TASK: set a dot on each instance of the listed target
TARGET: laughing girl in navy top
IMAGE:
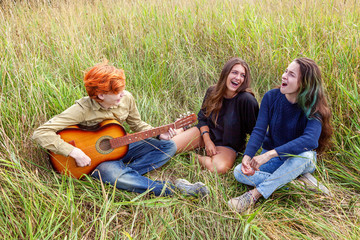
(227, 115)
(293, 122)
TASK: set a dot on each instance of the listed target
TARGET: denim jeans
(142, 157)
(276, 172)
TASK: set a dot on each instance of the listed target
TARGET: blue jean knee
(312, 159)
(142, 157)
(293, 167)
(254, 180)
(118, 174)
(149, 154)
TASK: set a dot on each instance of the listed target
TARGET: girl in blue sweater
(293, 122)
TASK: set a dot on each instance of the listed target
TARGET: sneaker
(188, 188)
(242, 203)
(312, 184)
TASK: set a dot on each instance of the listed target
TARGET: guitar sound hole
(105, 145)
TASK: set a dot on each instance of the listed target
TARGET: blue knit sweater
(284, 127)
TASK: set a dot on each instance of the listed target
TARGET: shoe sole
(309, 179)
(200, 188)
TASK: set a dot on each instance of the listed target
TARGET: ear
(101, 96)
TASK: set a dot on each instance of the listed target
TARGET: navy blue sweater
(283, 126)
(237, 117)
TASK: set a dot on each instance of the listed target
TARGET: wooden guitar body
(94, 143)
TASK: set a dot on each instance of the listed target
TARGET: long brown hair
(214, 100)
(311, 98)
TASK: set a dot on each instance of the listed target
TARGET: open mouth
(235, 84)
(284, 84)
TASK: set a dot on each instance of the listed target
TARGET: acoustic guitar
(107, 142)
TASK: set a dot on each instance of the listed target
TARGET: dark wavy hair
(213, 102)
(311, 98)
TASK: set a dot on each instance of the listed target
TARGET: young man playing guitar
(108, 99)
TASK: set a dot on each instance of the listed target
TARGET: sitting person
(293, 122)
(108, 99)
(227, 115)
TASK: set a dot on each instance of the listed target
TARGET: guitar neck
(135, 137)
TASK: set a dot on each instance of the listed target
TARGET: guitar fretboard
(134, 137)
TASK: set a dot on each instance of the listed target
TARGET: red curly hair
(104, 79)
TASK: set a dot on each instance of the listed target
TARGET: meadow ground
(171, 52)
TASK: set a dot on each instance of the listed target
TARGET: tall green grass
(171, 52)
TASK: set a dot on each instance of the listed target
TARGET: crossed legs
(276, 173)
(191, 139)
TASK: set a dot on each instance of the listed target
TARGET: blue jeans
(276, 172)
(142, 157)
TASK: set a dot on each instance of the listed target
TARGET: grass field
(171, 52)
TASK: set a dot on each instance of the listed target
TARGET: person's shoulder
(78, 109)
(272, 94)
(84, 101)
(210, 89)
(246, 96)
(127, 100)
(127, 96)
(316, 117)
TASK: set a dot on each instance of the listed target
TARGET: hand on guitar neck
(173, 131)
(170, 134)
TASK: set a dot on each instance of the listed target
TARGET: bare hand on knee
(210, 148)
(245, 166)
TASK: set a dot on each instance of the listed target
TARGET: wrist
(246, 158)
(271, 154)
(204, 132)
(71, 154)
(207, 140)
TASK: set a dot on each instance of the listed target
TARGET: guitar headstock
(185, 120)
